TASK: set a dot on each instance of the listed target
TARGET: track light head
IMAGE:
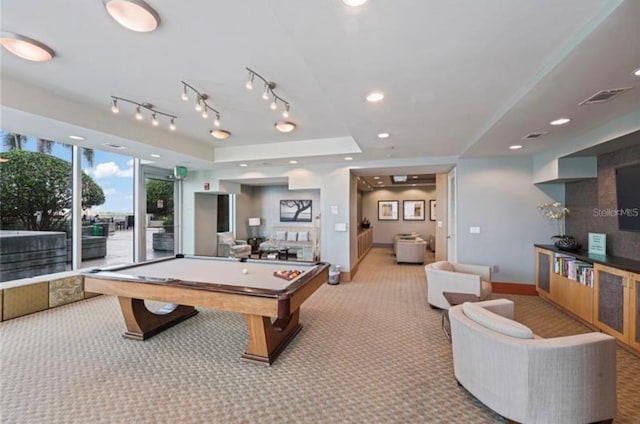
(216, 122)
(114, 106)
(172, 125)
(249, 83)
(285, 112)
(154, 120)
(184, 95)
(138, 114)
(205, 114)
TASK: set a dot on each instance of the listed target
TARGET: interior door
(452, 225)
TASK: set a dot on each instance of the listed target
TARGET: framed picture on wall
(295, 211)
(388, 210)
(432, 210)
(413, 210)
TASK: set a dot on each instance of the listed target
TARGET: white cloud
(130, 162)
(129, 197)
(110, 169)
(109, 191)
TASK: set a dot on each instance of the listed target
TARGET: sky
(111, 171)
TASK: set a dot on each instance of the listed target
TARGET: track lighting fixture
(268, 92)
(201, 105)
(144, 106)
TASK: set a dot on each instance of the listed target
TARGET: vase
(568, 243)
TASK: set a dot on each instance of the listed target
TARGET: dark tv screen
(628, 193)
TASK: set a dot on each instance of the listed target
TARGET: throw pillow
(496, 322)
(226, 238)
(281, 235)
(303, 235)
(292, 236)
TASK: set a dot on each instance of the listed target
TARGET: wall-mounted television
(628, 194)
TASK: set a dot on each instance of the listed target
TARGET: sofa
(229, 247)
(301, 241)
(443, 276)
(411, 251)
(529, 379)
(404, 236)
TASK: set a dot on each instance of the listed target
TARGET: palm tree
(13, 141)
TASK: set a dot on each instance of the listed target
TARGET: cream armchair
(232, 248)
(458, 278)
(411, 251)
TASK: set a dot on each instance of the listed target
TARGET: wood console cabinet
(606, 297)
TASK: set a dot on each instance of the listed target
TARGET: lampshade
(254, 222)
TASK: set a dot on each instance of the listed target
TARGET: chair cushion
(292, 236)
(496, 322)
(226, 238)
(442, 266)
(303, 235)
(281, 235)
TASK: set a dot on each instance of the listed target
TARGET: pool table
(270, 304)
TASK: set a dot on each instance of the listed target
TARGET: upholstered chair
(411, 251)
(446, 276)
(228, 246)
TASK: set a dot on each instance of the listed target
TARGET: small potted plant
(365, 223)
(555, 211)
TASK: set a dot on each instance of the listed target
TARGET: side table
(454, 299)
(254, 242)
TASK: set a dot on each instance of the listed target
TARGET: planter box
(25, 254)
(163, 242)
(92, 247)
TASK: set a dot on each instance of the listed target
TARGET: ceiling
(461, 78)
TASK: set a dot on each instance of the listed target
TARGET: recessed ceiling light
(114, 146)
(354, 3)
(293, 162)
(25, 47)
(243, 165)
(348, 158)
(154, 155)
(376, 178)
(560, 121)
(515, 147)
(413, 185)
(285, 126)
(135, 15)
(375, 96)
(220, 134)
(383, 135)
(637, 72)
(76, 137)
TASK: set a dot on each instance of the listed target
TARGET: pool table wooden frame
(272, 317)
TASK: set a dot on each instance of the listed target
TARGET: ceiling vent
(534, 135)
(603, 96)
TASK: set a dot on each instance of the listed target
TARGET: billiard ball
(245, 271)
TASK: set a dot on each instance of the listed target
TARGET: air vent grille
(603, 96)
(534, 135)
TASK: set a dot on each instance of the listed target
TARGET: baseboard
(514, 288)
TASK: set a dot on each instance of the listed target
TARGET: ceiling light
(399, 178)
(383, 135)
(268, 92)
(293, 162)
(348, 158)
(375, 96)
(144, 106)
(201, 106)
(25, 47)
(285, 126)
(376, 178)
(515, 147)
(135, 15)
(637, 72)
(154, 155)
(244, 165)
(560, 121)
(220, 134)
(354, 3)
(76, 137)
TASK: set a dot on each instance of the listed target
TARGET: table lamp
(254, 223)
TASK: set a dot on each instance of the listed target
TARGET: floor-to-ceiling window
(160, 215)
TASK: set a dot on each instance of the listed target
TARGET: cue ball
(245, 271)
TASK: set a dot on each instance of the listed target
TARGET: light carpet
(371, 351)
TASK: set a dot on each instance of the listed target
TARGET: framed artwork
(295, 211)
(388, 210)
(432, 210)
(413, 210)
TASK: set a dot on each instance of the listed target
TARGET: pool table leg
(142, 323)
(267, 339)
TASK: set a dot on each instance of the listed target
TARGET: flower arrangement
(555, 211)
(365, 223)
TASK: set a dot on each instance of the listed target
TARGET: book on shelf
(574, 269)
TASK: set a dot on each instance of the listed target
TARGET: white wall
(267, 201)
(383, 231)
(498, 196)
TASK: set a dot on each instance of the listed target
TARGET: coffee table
(282, 252)
(454, 299)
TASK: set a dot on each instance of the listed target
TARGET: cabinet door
(634, 310)
(611, 301)
(543, 272)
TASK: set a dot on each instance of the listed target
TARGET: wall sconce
(25, 47)
(146, 106)
(202, 107)
(268, 92)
